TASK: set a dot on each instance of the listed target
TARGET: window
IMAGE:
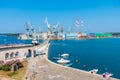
(16, 54)
(11, 55)
(6, 55)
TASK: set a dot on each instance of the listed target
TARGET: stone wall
(20, 53)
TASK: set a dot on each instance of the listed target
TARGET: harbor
(34, 46)
(42, 68)
(60, 40)
(47, 70)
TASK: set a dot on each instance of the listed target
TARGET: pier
(40, 68)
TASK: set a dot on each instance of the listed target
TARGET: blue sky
(98, 15)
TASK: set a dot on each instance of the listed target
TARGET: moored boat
(68, 65)
(35, 42)
(63, 61)
(65, 55)
(56, 58)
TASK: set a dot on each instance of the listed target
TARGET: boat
(68, 65)
(65, 55)
(63, 61)
(56, 58)
(35, 42)
(107, 75)
(94, 71)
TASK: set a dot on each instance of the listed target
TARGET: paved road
(42, 69)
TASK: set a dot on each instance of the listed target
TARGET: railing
(15, 46)
(4, 47)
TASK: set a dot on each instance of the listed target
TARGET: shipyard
(57, 32)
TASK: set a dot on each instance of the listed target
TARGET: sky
(98, 15)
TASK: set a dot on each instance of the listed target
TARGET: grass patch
(13, 74)
(18, 75)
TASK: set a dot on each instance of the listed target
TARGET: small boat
(68, 65)
(107, 75)
(56, 58)
(94, 71)
(63, 61)
(35, 42)
(65, 55)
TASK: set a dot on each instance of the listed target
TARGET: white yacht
(65, 55)
(63, 61)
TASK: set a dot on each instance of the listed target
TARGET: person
(91, 72)
(104, 75)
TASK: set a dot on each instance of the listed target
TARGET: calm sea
(14, 40)
(101, 54)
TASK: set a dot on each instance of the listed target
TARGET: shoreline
(75, 69)
(48, 70)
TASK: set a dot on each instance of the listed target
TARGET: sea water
(101, 54)
(5, 40)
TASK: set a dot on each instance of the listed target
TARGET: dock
(40, 68)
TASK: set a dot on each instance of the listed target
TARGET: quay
(41, 68)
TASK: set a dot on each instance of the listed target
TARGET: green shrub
(13, 74)
(6, 67)
(1, 67)
(20, 65)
